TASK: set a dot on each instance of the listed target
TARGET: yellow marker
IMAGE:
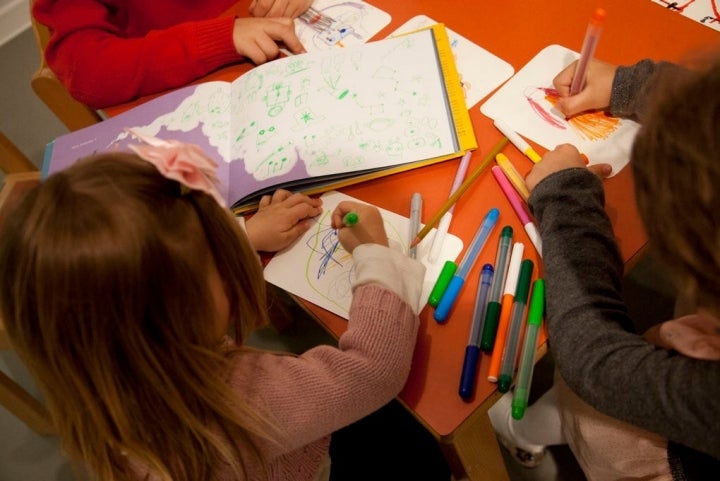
(517, 141)
(513, 175)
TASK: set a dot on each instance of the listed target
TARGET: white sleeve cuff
(391, 269)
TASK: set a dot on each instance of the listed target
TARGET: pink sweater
(327, 388)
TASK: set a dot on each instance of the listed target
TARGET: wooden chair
(14, 397)
(75, 115)
(12, 160)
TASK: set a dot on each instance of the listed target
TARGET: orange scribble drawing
(590, 126)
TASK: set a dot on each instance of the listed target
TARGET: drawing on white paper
(591, 126)
(317, 268)
(329, 267)
(527, 104)
(706, 12)
(344, 23)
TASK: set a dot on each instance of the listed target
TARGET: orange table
(514, 31)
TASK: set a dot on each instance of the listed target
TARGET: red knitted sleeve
(102, 55)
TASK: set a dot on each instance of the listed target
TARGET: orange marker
(506, 310)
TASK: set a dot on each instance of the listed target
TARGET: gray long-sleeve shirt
(599, 356)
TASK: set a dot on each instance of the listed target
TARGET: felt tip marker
(442, 282)
(505, 310)
(415, 211)
(472, 351)
(521, 393)
(509, 356)
(492, 313)
(350, 219)
(444, 225)
(519, 208)
(592, 36)
(517, 141)
(458, 279)
(513, 175)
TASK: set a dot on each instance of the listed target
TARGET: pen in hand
(350, 219)
(592, 36)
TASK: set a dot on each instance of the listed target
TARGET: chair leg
(28, 409)
(12, 160)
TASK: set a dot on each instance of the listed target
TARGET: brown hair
(105, 295)
(676, 166)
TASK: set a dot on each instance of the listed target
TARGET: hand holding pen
(358, 223)
(596, 94)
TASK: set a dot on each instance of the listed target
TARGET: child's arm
(610, 367)
(106, 57)
(621, 90)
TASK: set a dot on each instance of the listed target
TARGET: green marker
(527, 360)
(509, 355)
(447, 272)
(350, 219)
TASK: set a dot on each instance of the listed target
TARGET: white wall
(14, 18)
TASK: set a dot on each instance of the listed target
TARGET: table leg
(472, 450)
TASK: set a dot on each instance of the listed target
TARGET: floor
(27, 456)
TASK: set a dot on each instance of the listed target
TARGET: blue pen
(453, 289)
(472, 351)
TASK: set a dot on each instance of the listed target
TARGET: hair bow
(185, 163)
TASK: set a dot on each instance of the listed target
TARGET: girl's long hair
(104, 291)
(676, 167)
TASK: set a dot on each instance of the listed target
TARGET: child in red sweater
(108, 52)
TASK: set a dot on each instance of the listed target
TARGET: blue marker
(472, 351)
(453, 289)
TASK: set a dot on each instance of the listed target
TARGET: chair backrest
(75, 115)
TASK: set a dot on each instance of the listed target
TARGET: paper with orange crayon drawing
(527, 104)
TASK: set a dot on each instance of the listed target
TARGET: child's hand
(279, 8)
(594, 95)
(370, 228)
(565, 156)
(258, 38)
(281, 219)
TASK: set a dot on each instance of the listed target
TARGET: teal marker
(502, 263)
(466, 264)
(536, 310)
(509, 355)
(350, 219)
(442, 282)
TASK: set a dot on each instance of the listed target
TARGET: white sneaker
(526, 454)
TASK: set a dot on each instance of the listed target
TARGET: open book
(310, 122)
